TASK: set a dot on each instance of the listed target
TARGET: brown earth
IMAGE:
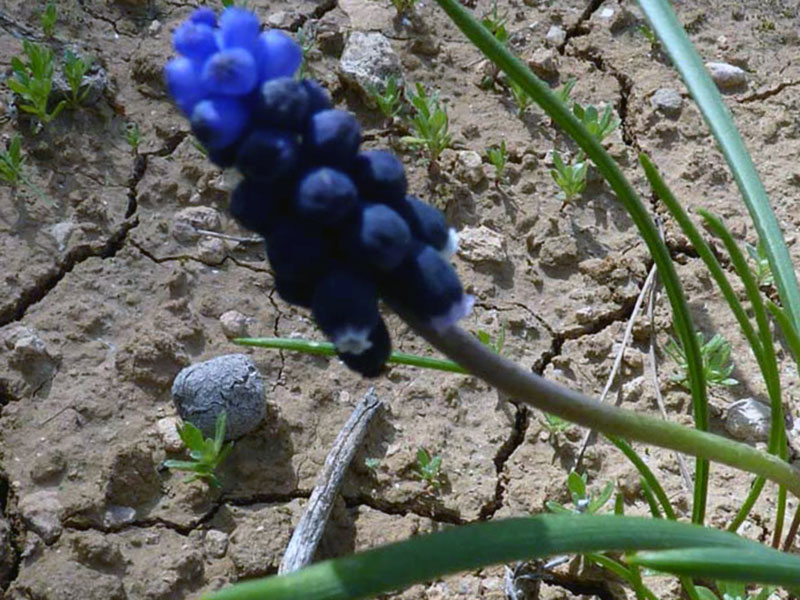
(102, 303)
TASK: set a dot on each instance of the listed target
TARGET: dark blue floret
(380, 177)
(325, 196)
(298, 293)
(277, 54)
(183, 83)
(223, 157)
(204, 15)
(257, 207)
(345, 308)
(231, 72)
(195, 40)
(370, 362)
(378, 237)
(318, 98)
(218, 122)
(239, 28)
(268, 155)
(427, 223)
(427, 285)
(283, 102)
(332, 138)
(297, 252)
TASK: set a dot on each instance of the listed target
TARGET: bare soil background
(104, 298)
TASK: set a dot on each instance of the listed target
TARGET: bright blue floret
(340, 230)
(345, 308)
(269, 156)
(325, 196)
(231, 72)
(332, 138)
(283, 102)
(277, 54)
(380, 177)
(218, 122)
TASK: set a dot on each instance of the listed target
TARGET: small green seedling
(372, 463)
(389, 101)
(565, 91)
(403, 7)
(650, 36)
(75, 69)
(521, 98)
(227, 3)
(581, 499)
(207, 454)
(600, 126)
(430, 123)
(11, 163)
(555, 425)
(730, 590)
(496, 23)
(306, 40)
(716, 356)
(133, 136)
(570, 178)
(428, 469)
(762, 271)
(496, 344)
(48, 18)
(33, 81)
(498, 158)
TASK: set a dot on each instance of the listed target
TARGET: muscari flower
(339, 227)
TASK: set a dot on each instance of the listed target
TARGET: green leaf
(601, 500)
(706, 593)
(191, 436)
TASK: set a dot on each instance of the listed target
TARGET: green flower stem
(561, 114)
(327, 349)
(425, 557)
(568, 404)
(718, 117)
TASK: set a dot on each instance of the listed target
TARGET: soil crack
(429, 507)
(768, 93)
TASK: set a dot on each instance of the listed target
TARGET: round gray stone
(231, 383)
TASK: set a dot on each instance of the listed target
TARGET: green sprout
(429, 124)
(565, 91)
(388, 100)
(494, 344)
(522, 99)
(403, 7)
(133, 136)
(206, 453)
(11, 163)
(600, 126)
(733, 590)
(650, 36)
(583, 502)
(48, 18)
(570, 178)
(555, 425)
(762, 271)
(372, 463)
(716, 355)
(227, 3)
(496, 23)
(428, 469)
(498, 158)
(75, 69)
(306, 39)
(33, 81)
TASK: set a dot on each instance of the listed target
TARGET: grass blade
(426, 557)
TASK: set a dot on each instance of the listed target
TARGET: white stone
(667, 101)
(556, 35)
(117, 515)
(216, 543)
(748, 420)
(470, 167)
(368, 61)
(42, 511)
(167, 429)
(481, 244)
(154, 28)
(61, 232)
(186, 222)
(234, 324)
(212, 250)
(726, 76)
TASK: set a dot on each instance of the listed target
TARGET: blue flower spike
(340, 229)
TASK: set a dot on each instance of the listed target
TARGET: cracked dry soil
(104, 300)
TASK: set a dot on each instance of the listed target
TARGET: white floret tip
(352, 341)
(457, 311)
(452, 244)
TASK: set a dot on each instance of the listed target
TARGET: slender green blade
(718, 117)
(729, 564)
(426, 557)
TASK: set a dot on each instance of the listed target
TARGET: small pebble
(556, 35)
(727, 76)
(234, 324)
(748, 420)
(216, 543)
(229, 383)
(167, 429)
(667, 101)
(186, 222)
(481, 244)
(544, 63)
(470, 167)
(212, 251)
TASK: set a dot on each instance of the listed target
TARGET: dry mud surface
(103, 300)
